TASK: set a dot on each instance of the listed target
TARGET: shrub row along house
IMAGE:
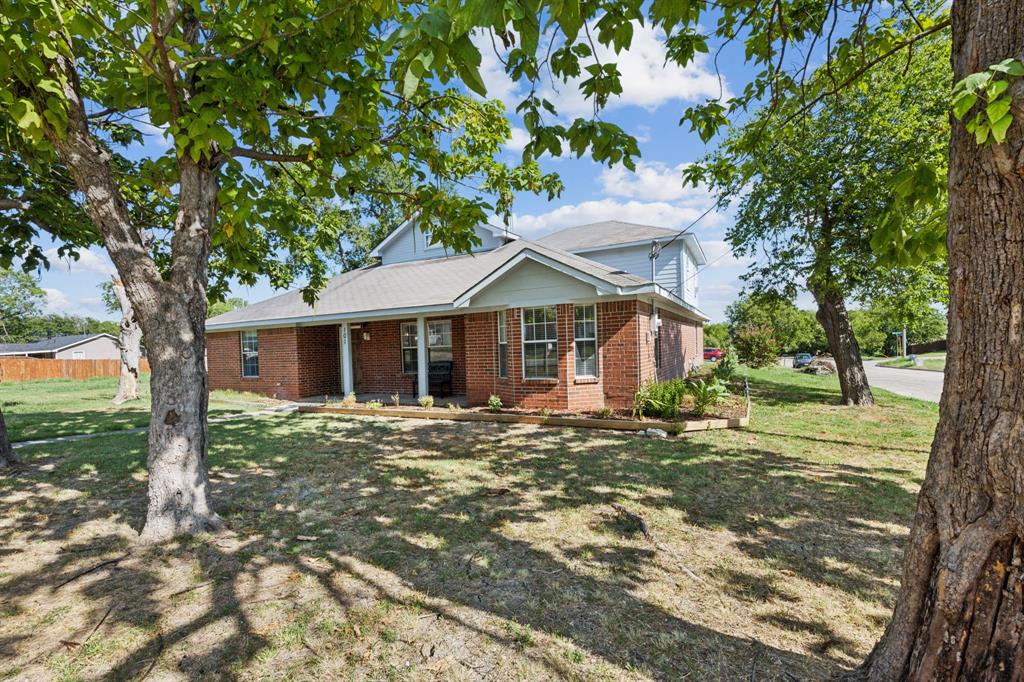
(577, 320)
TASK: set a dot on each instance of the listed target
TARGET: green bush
(426, 401)
(494, 403)
(757, 346)
(706, 394)
(725, 368)
(659, 399)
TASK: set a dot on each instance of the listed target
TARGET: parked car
(713, 353)
(801, 360)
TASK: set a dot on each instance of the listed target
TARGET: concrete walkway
(914, 383)
(280, 409)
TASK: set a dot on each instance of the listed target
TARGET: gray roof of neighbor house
(413, 284)
(50, 345)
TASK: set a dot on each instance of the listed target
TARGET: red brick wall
(294, 362)
(681, 345)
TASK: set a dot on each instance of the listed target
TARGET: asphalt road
(915, 383)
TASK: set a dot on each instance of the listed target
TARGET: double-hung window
(502, 344)
(585, 330)
(409, 353)
(540, 343)
(250, 354)
(439, 341)
(439, 344)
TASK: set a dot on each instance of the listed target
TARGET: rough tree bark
(833, 317)
(7, 454)
(171, 311)
(960, 612)
(130, 343)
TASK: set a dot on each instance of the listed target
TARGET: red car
(713, 353)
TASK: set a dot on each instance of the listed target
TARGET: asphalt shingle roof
(414, 284)
(606, 233)
(46, 345)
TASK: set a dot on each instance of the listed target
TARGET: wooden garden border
(512, 418)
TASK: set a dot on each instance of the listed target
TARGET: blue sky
(650, 106)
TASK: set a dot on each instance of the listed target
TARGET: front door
(356, 339)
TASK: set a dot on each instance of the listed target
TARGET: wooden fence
(32, 369)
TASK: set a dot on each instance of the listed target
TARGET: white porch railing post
(422, 371)
(347, 384)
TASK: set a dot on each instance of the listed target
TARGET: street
(914, 383)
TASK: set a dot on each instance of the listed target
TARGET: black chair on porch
(439, 374)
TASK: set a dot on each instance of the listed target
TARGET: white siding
(636, 261)
(531, 283)
(101, 348)
(411, 245)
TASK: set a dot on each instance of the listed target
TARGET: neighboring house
(578, 320)
(77, 347)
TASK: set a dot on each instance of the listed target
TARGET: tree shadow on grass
(405, 511)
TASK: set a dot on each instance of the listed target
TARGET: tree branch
(13, 205)
(245, 152)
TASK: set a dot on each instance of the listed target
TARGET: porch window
(409, 348)
(439, 341)
(585, 329)
(250, 354)
(439, 344)
(540, 343)
(502, 344)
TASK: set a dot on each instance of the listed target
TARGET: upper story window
(250, 353)
(540, 343)
(585, 331)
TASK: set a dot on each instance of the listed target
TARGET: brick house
(574, 321)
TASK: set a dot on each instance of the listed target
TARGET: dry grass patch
(403, 549)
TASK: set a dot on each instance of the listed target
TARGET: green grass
(62, 407)
(934, 362)
(373, 548)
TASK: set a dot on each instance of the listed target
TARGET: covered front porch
(410, 357)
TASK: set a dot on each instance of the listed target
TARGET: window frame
(255, 353)
(502, 318)
(450, 347)
(415, 346)
(524, 343)
(576, 340)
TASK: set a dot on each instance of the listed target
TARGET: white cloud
(652, 180)
(719, 255)
(658, 213)
(90, 260)
(58, 302)
(520, 138)
(647, 80)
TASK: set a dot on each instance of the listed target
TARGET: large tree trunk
(959, 614)
(130, 343)
(832, 314)
(171, 308)
(7, 455)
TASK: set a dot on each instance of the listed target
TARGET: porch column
(422, 374)
(347, 385)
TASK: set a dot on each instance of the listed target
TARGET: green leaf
(410, 83)
(997, 109)
(963, 103)
(1000, 127)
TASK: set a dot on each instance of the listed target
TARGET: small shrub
(757, 346)
(659, 399)
(426, 401)
(725, 368)
(453, 407)
(706, 394)
(494, 404)
(605, 412)
(374, 404)
(396, 400)
(546, 411)
(349, 400)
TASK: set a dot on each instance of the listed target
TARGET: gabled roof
(421, 285)
(50, 345)
(616, 233)
(499, 232)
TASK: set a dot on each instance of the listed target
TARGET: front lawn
(64, 407)
(372, 548)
